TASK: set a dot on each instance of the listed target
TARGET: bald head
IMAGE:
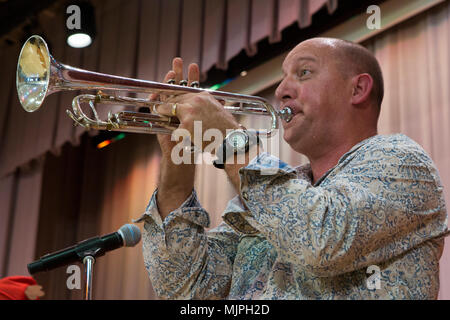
(334, 89)
(353, 59)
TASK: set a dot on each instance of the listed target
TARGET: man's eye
(304, 72)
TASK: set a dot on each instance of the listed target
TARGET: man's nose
(285, 91)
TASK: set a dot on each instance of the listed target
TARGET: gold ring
(174, 110)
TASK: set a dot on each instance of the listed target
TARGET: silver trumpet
(39, 75)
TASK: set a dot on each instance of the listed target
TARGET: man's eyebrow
(307, 58)
(300, 59)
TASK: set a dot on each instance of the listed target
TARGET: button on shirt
(371, 228)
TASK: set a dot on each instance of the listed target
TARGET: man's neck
(321, 163)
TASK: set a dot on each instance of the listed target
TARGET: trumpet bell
(33, 73)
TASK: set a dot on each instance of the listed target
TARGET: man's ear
(362, 87)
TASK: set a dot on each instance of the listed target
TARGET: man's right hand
(176, 181)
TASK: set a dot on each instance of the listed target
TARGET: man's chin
(290, 138)
(294, 141)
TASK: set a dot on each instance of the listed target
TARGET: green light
(120, 136)
(220, 85)
(215, 87)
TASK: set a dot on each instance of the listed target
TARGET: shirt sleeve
(182, 259)
(375, 206)
(14, 287)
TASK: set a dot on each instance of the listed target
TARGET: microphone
(128, 235)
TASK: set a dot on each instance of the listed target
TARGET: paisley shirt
(371, 228)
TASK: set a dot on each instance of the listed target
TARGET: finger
(177, 67)
(169, 75)
(193, 73)
(153, 97)
(167, 109)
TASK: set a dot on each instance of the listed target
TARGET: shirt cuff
(267, 164)
(189, 210)
(254, 179)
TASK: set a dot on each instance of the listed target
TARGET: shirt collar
(305, 172)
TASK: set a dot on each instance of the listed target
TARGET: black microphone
(128, 235)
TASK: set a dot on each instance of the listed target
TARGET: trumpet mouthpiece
(285, 114)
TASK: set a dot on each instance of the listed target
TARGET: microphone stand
(89, 261)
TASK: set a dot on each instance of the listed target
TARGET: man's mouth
(287, 113)
(296, 113)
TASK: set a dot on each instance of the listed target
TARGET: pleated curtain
(136, 38)
(117, 182)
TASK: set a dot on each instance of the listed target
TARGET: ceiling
(15, 13)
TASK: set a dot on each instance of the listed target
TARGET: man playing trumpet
(364, 202)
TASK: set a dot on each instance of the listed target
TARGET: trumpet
(40, 75)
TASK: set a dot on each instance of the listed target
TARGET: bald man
(364, 219)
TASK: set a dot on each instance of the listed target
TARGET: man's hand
(203, 108)
(176, 181)
(33, 292)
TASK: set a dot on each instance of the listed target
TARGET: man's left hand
(201, 107)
